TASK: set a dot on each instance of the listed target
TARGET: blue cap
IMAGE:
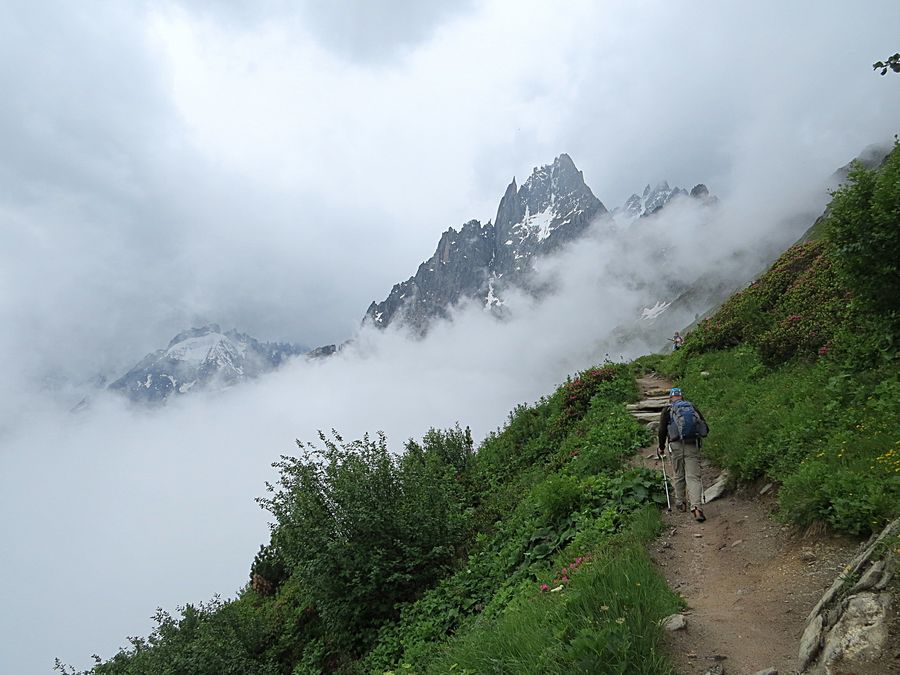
(674, 391)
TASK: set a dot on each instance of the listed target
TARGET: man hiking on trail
(683, 425)
(676, 341)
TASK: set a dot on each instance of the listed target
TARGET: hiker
(683, 425)
(677, 341)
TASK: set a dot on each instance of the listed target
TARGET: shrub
(364, 530)
(864, 231)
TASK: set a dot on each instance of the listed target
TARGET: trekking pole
(666, 484)
(700, 475)
(671, 461)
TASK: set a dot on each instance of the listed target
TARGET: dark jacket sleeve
(663, 427)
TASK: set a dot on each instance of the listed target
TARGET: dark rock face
(652, 200)
(552, 207)
(699, 191)
(201, 358)
(458, 269)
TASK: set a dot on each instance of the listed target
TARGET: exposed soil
(748, 581)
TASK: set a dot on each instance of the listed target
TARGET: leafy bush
(364, 530)
(864, 230)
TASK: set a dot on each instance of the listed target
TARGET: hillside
(529, 553)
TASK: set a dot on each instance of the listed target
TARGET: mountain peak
(200, 358)
(553, 206)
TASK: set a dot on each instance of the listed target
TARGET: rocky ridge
(201, 358)
(553, 207)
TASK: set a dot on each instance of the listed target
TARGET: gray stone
(766, 488)
(887, 574)
(717, 489)
(810, 643)
(767, 671)
(871, 577)
(737, 543)
(717, 669)
(862, 632)
(852, 568)
(674, 622)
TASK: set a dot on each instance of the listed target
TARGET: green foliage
(603, 619)
(365, 530)
(890, 63)
(864, 230)
(794, 310)
(826, 433)
(206, 639)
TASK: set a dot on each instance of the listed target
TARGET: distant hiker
(683, 426)
(677, 341)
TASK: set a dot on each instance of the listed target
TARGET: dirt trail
(748, 581)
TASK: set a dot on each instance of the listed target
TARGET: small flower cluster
(890, 460)
(579, 391)
(565, 573)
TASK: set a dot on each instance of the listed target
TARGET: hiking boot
(697, 512)
(681, 507)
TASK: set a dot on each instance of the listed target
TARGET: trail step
(648, 404)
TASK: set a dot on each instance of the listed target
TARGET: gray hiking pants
(686, 458)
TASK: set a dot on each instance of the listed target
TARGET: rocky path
(748, 581)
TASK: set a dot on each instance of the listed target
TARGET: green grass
(828, 434)
(604, 620)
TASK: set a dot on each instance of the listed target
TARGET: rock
(737, 543)
(674, 622)
(886, 576)
(766, 488)
(717, 669)
(699, 191)
(871, 577)
(767, 671)
(704, 373)
(862, 632)
(810, 643)
(852, 568)
(698, 535)
(717, 489)
(807, 555)
(656, 403)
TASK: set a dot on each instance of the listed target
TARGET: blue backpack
(685, 423)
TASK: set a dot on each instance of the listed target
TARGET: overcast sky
(276, 166)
